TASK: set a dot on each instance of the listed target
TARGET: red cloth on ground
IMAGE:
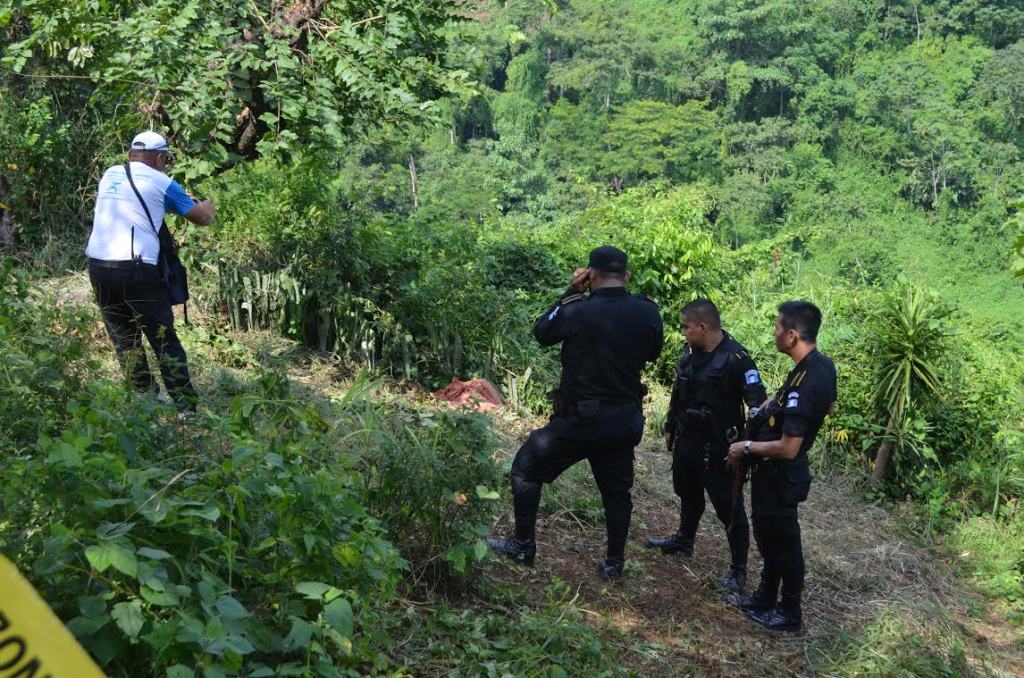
(476, 394)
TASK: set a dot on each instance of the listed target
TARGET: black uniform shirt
(740, 383)
(806, 398)
(606, 339)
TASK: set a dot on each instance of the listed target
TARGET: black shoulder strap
(721, 358)
(145, 207)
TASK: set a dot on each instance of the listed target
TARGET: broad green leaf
(313, 590)
(64, 454)
(338, 614)
(299, 636)
(129, 618)
(112, 531)
(86, 626)
(485, 493)
(92, 606)
(235, 644)
(230, 608)
(154, 554)
(102, 556)
(211, 513)
(159, 598)
(179, 671)
(242, 452)
(457, 557)
(206, 592)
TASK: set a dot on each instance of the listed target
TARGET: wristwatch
(747, 449)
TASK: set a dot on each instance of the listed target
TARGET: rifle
(754, 419)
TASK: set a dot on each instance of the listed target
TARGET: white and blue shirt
(118, 212)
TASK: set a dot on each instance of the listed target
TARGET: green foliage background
(407, 185)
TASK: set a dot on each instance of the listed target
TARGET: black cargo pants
(698, 467)
(776, 490)
(134, 302)
(606, 439)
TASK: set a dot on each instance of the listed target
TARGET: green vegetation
(276, 534)
(403, 185)
(894, 646)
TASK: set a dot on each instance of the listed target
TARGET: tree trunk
(415, 192)
(551, 90)
(884, 455)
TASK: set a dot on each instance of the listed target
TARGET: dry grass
(668, 615)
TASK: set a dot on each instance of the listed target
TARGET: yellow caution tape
(33, 641)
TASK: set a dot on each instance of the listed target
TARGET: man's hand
(735, 456)
(580, 280)
(203, 213)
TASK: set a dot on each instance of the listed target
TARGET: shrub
(990, 552)
(258, 539)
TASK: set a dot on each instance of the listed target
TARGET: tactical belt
(118, 264)
(586, 409)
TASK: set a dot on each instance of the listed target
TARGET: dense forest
(402, 186)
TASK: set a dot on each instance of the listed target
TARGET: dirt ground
(671, 615)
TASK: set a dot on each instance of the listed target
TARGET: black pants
(775, 494)
(134, 302)
(691, 477)
(606, 440)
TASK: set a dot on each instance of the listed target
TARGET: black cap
(608, 259)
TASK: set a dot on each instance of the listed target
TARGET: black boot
(776, 619)
(735, 579)
(758, 600)
(675, 543)
(611, 568)
(520, 551)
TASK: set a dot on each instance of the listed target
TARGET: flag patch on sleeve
(751, 376)
(793, 399)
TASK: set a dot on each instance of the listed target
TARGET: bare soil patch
(669, 615)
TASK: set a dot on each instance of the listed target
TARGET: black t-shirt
(805, 399)
(606, 339)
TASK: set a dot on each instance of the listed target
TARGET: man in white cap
(123, 248)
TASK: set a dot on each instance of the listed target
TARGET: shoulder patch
(793, 399)
(751, 377)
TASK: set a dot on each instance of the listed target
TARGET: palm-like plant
(912, 334)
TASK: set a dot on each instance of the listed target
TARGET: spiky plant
(913, 331)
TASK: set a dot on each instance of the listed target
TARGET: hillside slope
(876, 602)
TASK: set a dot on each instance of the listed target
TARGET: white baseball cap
(149, 141)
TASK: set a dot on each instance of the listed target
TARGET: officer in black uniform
(780, 476)
(714, 378)
(606, 338)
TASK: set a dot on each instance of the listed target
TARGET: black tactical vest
(703, 408)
